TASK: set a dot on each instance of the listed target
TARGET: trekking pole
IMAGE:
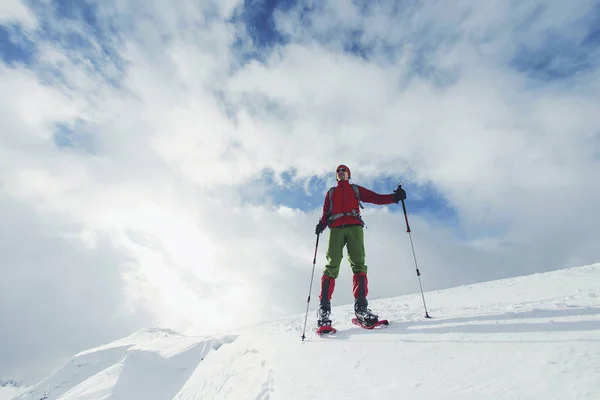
(310, 288)
(413, 252)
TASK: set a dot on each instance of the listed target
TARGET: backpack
(339, 215)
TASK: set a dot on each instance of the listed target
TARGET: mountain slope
(8, 392)
(530, 337)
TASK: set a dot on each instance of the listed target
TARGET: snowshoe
(380, 322)
(325, 329)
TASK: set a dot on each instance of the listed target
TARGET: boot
(363, 314)
(323, 316)
(324, 311)
(360, 287)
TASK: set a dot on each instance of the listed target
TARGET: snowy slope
(10, 392)
(532, 337)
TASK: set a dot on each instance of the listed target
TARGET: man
(342, 214)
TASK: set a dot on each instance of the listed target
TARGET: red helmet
(344, 167)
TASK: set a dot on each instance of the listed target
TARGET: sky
(165, 164)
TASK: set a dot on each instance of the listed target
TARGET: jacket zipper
(342, 210)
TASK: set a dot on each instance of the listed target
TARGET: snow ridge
(152, 363)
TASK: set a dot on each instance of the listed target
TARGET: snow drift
(531, 337)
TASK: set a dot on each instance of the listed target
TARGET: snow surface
(531, 337)
(10, 392)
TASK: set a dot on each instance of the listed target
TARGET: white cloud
(154, 207)
(58, 292)
(14, 11)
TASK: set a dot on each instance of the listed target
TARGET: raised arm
(368, 196)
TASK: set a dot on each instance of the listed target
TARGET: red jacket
(344, 201)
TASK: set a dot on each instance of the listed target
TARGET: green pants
(353, 238)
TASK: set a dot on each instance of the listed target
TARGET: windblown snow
(531, 337)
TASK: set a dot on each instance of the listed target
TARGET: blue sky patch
(85, 35)
(355, 45)
(257, 16)
(308, 194)
(558, 59)
(75, 137)
(560, 56)
(302, 194)
(15, 46)
(260, 34)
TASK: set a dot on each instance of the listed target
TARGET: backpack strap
(330, 194)
(354, 213)
(355, 187)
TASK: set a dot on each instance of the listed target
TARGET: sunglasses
(341, 170)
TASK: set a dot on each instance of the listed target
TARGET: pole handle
(404, 209)
(316, 247)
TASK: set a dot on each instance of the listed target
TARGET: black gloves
(399, 194)
(320, 227)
